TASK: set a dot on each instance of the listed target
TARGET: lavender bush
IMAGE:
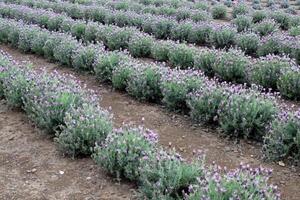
(231, 66)
(106, 62)
(266, 71)
(248, 42)
(144, 82)
(219, 11)
(83, 127)
(288, 83)
(123, 151)
(283, 140)
(176, 85)
(241, 183)
(246, 114)
(265, 27)
(165, 175)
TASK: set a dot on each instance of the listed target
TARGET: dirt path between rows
(174, 131)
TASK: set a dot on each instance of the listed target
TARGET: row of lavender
(181, 13)
(278, 73)
(203, 33)
(194, 12)
(58, 104)
(240, 112)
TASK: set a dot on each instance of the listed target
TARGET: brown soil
(174, 131)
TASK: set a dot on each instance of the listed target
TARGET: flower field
(231, 66)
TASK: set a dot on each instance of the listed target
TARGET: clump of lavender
(222, 36)
(205, 59)
(241, 183)
(248, 42)
(83, 58)
(265, 27)
(123, 151)
(83, 127)
(266, 71)
(240, 9)
(247, 112)
(165, 175)
(219, 11)
(231, 66)
(282, 141)
(51, 96)
(288, 83)
(144, 82)
(177, 84)
(205, 103)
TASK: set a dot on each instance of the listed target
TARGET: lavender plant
(265, 27)
(222, 36)
(106, 62)
(267, 70)
(231, 66)
(246, 113)
(83, 127)
(241, 183)
(288, 83)
(144, 82)
(123, 151)
(182, 55)
(176, 85)
(165, 175)
(248, 42)
(283, 139)
(219, 11)
(204, 60)
(240, 9)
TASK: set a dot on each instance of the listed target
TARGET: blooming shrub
(106, 62)
(204, 60)
(39, 42)
(121, 74)
(219, 11)
(165, 175)
(240, 9)
(176, 85)
(265, 27)
(199, 33)
(283, 139)
(160, 50)
(63, 52)
(248, 42)
(294, 31)
(222, 36)
(26, 37)
(83, 127)
(205, 103)
(246, 114)
(182, 56)
(52, 42)
(231, 66)
(258, 16)
(144, 82)
(283, 19)
(288, 84)
(52, 95)
(14, 83)
(84, 57)
(140, 45)
(241, 183)
(242, 23)
(267, 70)
(124, 150)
